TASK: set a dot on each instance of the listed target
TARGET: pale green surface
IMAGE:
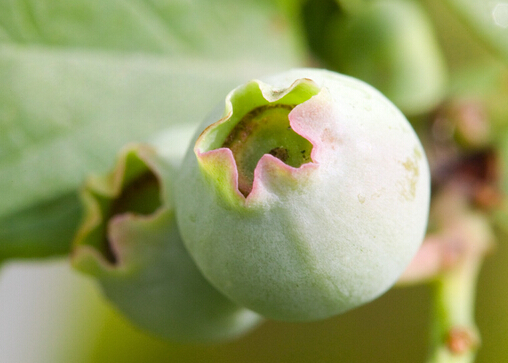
(153, 280)
(79, 79)
(311, 242)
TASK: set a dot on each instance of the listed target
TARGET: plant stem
(455, 337)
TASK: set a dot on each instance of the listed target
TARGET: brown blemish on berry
(412, 174)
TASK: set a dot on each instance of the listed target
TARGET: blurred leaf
(389, 44)
(481, 79)
(31, 232)
(486, 83)
(199, 27)
(78, 79)
(460, 46)
(352, 6)
(488, 19)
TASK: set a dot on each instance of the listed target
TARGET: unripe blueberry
(130, 243)
(307, 196)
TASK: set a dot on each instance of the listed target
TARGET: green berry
(130, 243)
(306, 197)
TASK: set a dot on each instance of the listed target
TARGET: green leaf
(46, 226)
(79, 79)
(389, 44)
(203, 28)
(487, 19)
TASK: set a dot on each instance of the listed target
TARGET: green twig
(451, 259)
(455, 337)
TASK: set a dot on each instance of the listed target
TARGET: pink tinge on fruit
(312, 129)
(313, 236)
(318, 120)
(272, 176)
(220, 163)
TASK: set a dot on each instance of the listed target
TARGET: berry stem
(451, 259)
(455, 337)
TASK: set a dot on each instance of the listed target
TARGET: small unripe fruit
(306, 197)
(130, 244)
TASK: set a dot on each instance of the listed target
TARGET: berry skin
(130, 243)
(306, 197)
